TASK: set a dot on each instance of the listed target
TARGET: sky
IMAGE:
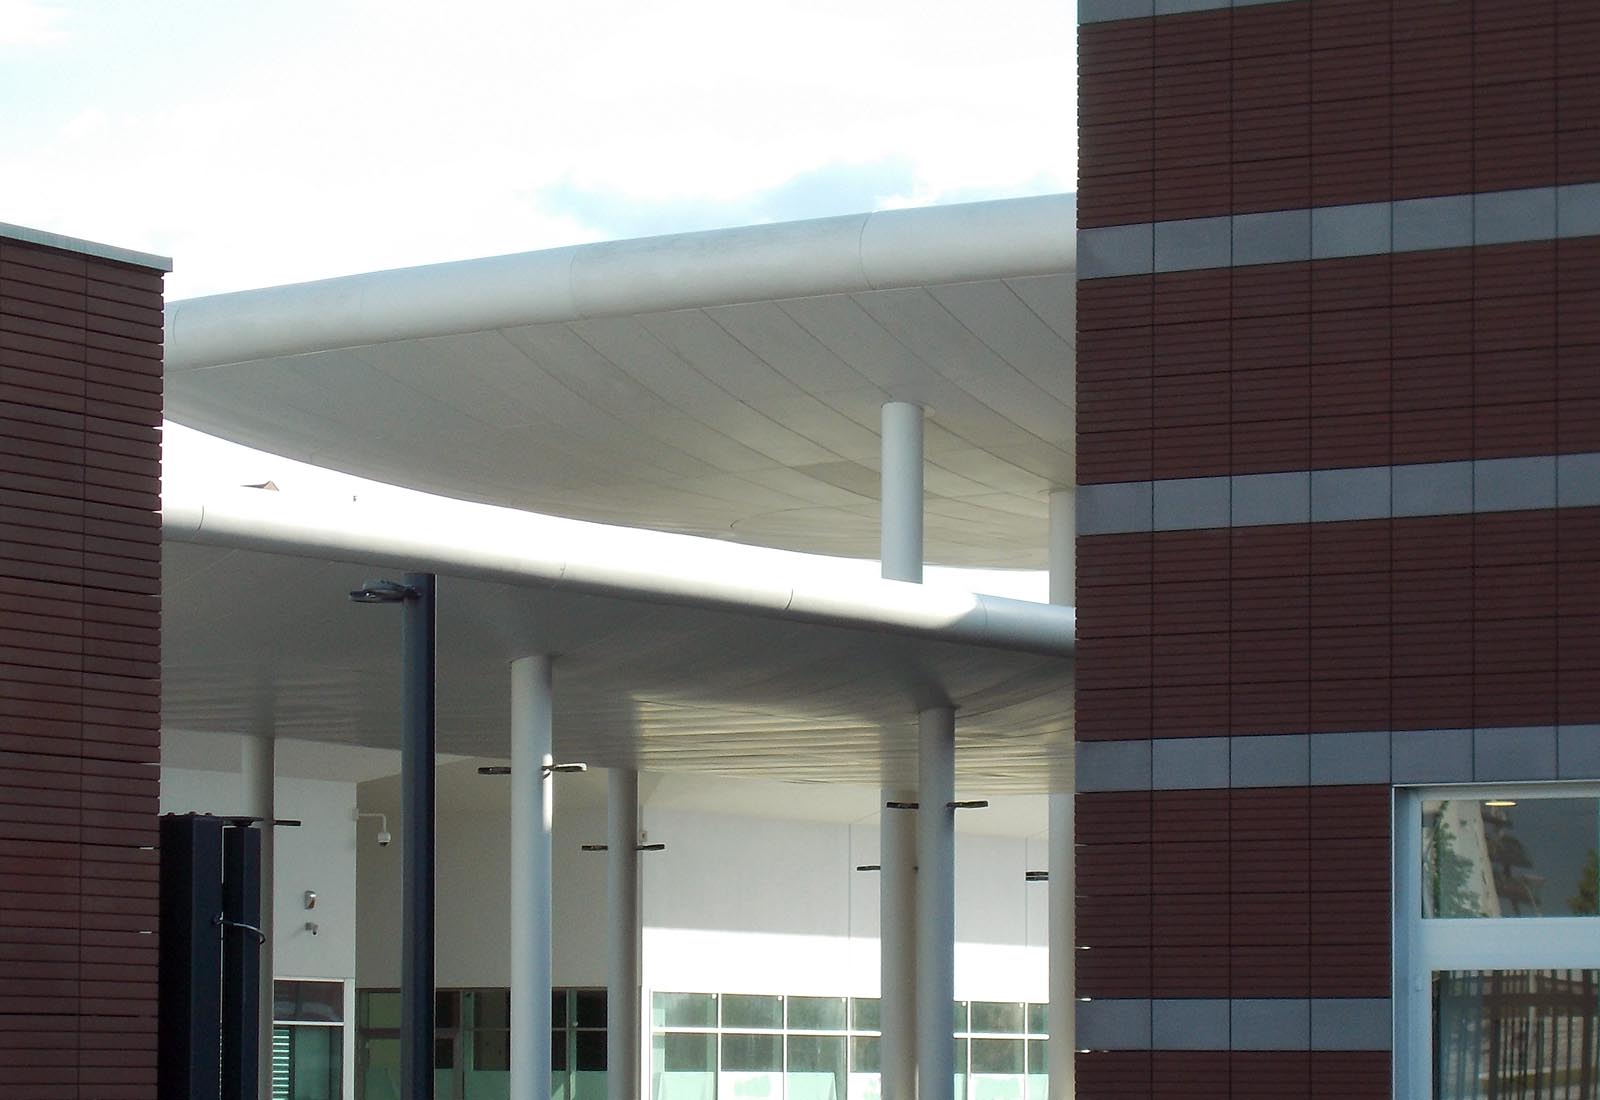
(265, 143)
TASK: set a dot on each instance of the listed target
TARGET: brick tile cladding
(1456, 621)
(80, 606)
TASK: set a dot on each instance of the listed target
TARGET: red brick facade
(80, 606)
(1487, 619)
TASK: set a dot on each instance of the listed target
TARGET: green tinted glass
(684, 1010)
(743, 1010)
(816, 1013)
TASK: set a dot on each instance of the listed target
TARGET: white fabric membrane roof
(726, 384)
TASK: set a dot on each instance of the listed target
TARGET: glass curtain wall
(732, 1046)
(472, 1044)
(307, 1040)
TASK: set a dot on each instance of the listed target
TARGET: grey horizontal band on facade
(1504, 754)
(1108, 11)
(1267, 1023)
(1337, 496)
(1336, 232)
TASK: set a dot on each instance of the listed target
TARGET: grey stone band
(1483, 755)
(1331, 496)
(1276, 1023)
(1106, 11)
(1332, 232)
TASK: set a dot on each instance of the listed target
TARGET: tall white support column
(1063, 950)
(623, 1052)
(900, 550)
(258, 768)
(897, 946)
(901, 519)
(1063, 546)
(1062, 1048)
(532, 810)
(936, 903)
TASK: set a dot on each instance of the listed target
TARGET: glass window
(864, 1013)
(558, 1007)
(816, 1066)
(997, 1056)
(491, 1008)
(816, 1013)
(590, 1050)
(740, 1010)
(491, 1050)
(558, 1050)
(380, 1009)
(752, 1052)
(1038, 1070)
(307, 1063)
(684, 1009)
(1510, 857)
(447, 1009)
(684, 1066)
(1529, 1034)
(590, 1007)
(1038, 1019)
(864, 1054)
(991, 1016)
(960, 1016)
(308, 1002)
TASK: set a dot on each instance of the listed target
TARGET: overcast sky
(259, 143)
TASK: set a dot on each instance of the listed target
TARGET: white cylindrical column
(258, 767)
(901, 518)
(936, 903)
(622, 936)
(1063, 950)
(1063, 938)
(897, 946)
(531, 815)
(1063, 546)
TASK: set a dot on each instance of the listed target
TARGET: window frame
(1423, 945)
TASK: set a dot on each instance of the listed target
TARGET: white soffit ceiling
(725, 384)
(257, 641)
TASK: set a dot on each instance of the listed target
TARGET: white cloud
(358, 135)
(30, 23)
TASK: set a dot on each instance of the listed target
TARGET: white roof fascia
(862, 252)
(526, 549)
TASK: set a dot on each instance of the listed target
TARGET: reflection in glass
(307, 1063)
(816, 1013)
(752, 1066)
(1510, 857)
(1002, 1017)
(685, 1066)
(745, 1010)
(1515, 1034)
(816, 1067)
(864, 1013)
(684, 1009)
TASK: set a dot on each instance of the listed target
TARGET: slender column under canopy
(258, 764)
(622, 936)
(936, 903)
(532, 809)
(897, 945)
(900, 543)
(901, 503)
(1063, 938)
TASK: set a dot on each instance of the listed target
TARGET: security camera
(383, 827)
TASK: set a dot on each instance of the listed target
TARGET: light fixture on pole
(417, 797)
